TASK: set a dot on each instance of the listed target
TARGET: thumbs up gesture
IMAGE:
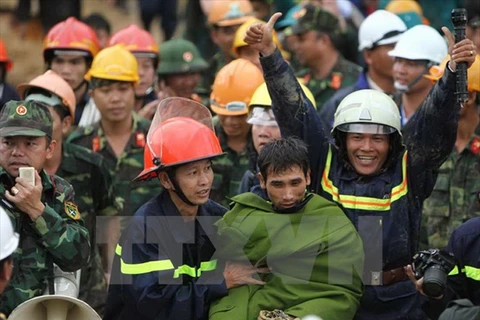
(260, 36)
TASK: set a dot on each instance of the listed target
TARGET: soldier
(120, 134)
(7, 93)
(377, 36)
(224, 18)
(44, 214)
(458, 178)
(87, 173)
(232, 90)
(68, 49)
(379, 182)
(326, 70)
(142, 45)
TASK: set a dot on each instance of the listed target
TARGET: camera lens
(434, 281)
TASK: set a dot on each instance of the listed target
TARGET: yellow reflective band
(118, 250)
(364, 203)
(145, 267)
(185, 269)
(207, 266)
(470, 272)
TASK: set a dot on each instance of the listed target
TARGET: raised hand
(260, 36)
(464, 51)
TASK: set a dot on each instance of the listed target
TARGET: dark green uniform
(58, 236)
(455, 190)
(87, 173)
(230, 168)
(124, 168)
(343, 74)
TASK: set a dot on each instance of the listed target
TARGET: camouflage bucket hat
(25, 118)
(180, 56)
(315, 18)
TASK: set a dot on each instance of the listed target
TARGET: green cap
(313, 17)
(25, 118)
(180, 56)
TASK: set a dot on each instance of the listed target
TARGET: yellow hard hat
(473, 73)
(238, 42)
(114, 63)
(261, 97)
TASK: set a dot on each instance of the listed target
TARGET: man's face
(115, 101)
(367, 153)
(60, 127)
(72, 68)
(378, 60)
(405, 71)
(307, 47)
(264, 134)
(146, 71)
(223, 37)
(24, 151)
(234, 126)
(183, 84)
(195, 179)
(250, 54)
(287, 188)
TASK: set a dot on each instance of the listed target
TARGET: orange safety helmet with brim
(54, 84)
(473, 73)
(181, 132)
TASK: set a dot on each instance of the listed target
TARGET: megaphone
(63, 305)
(54, 307)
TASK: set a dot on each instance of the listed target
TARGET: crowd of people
(294, 171)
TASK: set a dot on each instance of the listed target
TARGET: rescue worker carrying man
(378, 182)
(163, 267)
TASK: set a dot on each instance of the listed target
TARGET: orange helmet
(136, 41)
(229, 12)
(54, 84)
(70, 34)
(234, 86)
(4, 56)
(473, 73)
(181, 132)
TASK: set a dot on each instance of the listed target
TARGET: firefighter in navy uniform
(378, 181)
(163, 268)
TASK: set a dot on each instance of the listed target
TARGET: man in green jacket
(313, 251)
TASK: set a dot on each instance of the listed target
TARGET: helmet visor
(369, 128)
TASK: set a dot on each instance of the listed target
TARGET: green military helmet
(180, 56)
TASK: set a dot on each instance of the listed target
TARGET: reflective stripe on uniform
(364, 203)
(163, 265)
(470, 272)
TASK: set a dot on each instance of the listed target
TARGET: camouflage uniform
(230, 168)
(58, 236)
(125, 168)
(455, 190)
(89, 176)
(344, 73)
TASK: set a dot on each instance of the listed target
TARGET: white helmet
(8, 238)
(421, 43)
(380, 28)
(367, 111)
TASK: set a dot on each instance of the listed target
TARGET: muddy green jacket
(315, 256)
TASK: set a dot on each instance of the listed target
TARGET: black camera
(433, 265)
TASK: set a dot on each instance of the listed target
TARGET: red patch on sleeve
(336, 82)
(140, 139)
(475, 145)
(96, 144)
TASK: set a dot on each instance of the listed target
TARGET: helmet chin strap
(404, 88)
(178, 190)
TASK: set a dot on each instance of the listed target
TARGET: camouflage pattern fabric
(124, 168)
(87, 173)
(230, 168)
(455, 191)
(343, 74)
(58, 235)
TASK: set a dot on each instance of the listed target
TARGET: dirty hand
(237, 274)
(260, 36)
(464, 51)
(27, 198)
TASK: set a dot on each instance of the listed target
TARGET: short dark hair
(98, 22)
(279, 155)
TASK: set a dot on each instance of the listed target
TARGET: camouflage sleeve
(61, 230)
(108, 204)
